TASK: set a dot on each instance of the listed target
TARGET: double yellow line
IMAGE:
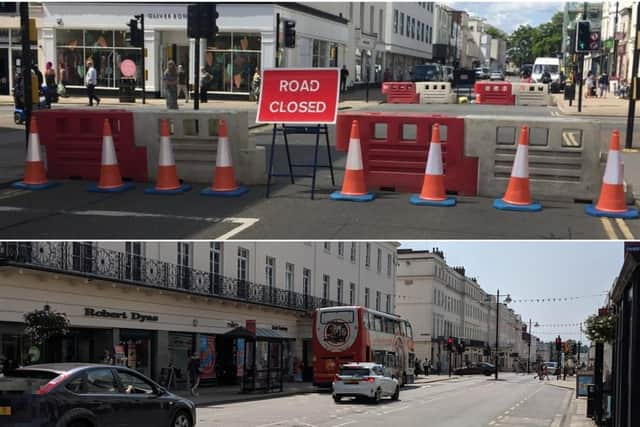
(610, 229)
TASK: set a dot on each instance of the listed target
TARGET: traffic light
(450, 344)
(566, 348)
(558, 343)
(201, 20)
(289, 33)
(583, 36)
(135, 37)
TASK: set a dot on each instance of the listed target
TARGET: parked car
(476, 368)
(88, 395)
(552, 367)
(496, 75)
(482, 73)
(428, 73)
(365, 380)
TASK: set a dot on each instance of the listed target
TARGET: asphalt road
(466, 402)
(70, 212)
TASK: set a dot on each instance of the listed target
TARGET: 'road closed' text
(298, 107)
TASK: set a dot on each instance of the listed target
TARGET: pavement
(577, 413)
(470, 401)
(219, 395)
(611, 106)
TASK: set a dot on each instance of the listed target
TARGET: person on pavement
(603, 84)
(344, 75)
(171, 85)
(194, 373)
(91, 80)
(205, 79)
(50, 82)
(183, 85)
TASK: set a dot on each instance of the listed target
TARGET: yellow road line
(625, 229)
(608, 228)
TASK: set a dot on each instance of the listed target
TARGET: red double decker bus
(358, 334)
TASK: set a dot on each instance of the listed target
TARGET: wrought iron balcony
(87, 260)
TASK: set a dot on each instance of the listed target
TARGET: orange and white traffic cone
(35, 175)
(110, 178)
(433, 191)
(167, 181)
(354, 185)
(611, 202)
(224, 179)
(518, 194)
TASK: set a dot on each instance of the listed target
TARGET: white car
(369, 380)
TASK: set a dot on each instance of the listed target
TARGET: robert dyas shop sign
(125, 315)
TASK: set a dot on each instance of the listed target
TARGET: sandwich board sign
(299, 96)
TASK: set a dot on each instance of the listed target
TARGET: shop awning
(239, 332)
(270, 334)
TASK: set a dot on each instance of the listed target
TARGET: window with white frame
(389, 264)
(133, 257)
(379, 261)
(270, 271)
(388, 303)
(395, 20)
(306, 281)
(353, 252)
(378, 300)
(367, 255)
(340, 289)
(340, 249)
(352, 293)
(326, 282)
(184, 262)
(372, 16)
(366, 297)
(243, 264)
(215, 259)
(402, 23)
(327, 247)
(380, 23)
(289, 276)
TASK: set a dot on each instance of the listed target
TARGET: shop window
(231, 59)
(320, 54)
(101, 381)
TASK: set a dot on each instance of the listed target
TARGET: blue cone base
(182, 189)
(232, 193)
(630, 213)
(22, 186)
(124, 187)
(416, 200)
(504, 206)
(336, 195)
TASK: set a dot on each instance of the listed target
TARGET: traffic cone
(611, 202)
(224, 179)
(433, 192)
(167, 181)
(110, 178)
(35, 175)
(518, 195)
(354, 186)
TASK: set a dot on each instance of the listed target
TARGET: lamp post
(507, 300)
(529, 357)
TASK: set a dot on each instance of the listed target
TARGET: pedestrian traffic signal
(450, 344)
(134, 37)
(583, 36)
(289, 33)
(201, 21)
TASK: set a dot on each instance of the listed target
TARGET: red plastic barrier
(494, 93)
(391, 162)
(73, 139)
(400, 93)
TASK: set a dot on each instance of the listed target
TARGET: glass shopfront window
(232, 59)
(107, 49)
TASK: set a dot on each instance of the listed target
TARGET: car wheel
(181, 420)
(17, 119)
(337, 398)
(377, 396)
(396, 395)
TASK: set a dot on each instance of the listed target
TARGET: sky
(507, 16)
(536, 270)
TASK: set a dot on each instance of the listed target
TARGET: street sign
(299, 95)
(594, 40)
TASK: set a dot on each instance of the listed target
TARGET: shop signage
(250, 324)
(167, 16)
(279, 328)
(131, 315)
(240, 357)
(299, 95)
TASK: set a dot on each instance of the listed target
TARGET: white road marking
(492, 423)
(343, 424)
(557, 420)
(625, 229)
(12, 193)
(395, 410)
(271, 424)
(244, 224)
(608, 228)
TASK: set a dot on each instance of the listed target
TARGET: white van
(551, 65)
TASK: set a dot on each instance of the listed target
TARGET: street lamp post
(507, 301)
(529, 358)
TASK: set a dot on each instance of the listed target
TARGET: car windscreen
(354, 372)
(27, 380)
(425, 71)
(551, 69)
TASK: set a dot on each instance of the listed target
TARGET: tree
(601, 328)
(45, 324)
(496, 33)
(532, 42)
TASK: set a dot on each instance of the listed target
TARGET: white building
(441, 302)
(161, 300)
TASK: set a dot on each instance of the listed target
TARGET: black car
(476, 368)
(87, 395)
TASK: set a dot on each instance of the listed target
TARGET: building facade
(156, 302)
(441, 301)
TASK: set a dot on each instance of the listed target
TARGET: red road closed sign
(299, 95)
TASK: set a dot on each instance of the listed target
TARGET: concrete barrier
(564, 155)
(532, 94)
(435, 93)
(194, 137)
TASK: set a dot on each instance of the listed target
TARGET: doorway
(4, 71)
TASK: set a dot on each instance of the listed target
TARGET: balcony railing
(87, 260)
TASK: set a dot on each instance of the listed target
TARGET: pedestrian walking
(62, 81)
(91, 80)
(51, 94)
(171, 85)
(205, 79)
(255, 85)
(418, 367)
(603, 85)
(194, 373)
(439, 367)
(344, 75)
(183, 83)
(546, 372)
